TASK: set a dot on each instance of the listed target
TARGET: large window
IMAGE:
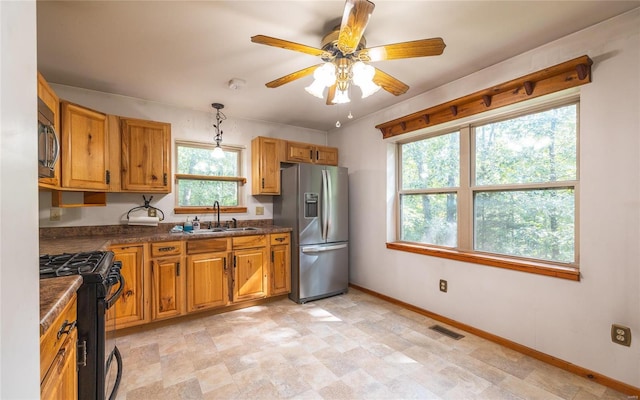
(502, 188)
(202, 178)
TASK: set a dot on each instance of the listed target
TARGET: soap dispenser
(196, 224)
(188, 226)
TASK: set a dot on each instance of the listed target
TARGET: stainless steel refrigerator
(314, 201)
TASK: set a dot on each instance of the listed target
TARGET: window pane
(538, 147)
(530, 223)
(431, 163)
(193, 192)
(200, 161)
(429, 218)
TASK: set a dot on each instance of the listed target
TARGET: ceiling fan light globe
(341, 97)
(368, 89)
(316, 89)
(326, 74)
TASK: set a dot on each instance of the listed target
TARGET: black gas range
(102, 284)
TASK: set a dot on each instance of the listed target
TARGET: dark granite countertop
(74, 244)
(55, 294)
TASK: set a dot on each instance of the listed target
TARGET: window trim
(240, 208)
(467, 187)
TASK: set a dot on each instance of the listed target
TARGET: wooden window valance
(549, 80)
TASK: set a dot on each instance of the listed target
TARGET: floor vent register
(446, 332)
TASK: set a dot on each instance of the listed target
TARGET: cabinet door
(84, 148)
(250, 274)
(207, 284)
(265, 166)
(146, 156)
(49, 97)
(280, 270)
(61, 381)
(167, 287)
(130, 307)
(326, 155)
(300, 152)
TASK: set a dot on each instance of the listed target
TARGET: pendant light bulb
(350, 116)
(338, 124)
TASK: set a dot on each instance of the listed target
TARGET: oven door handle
(115, 353)
(116, 295)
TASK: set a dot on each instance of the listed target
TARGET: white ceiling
(184, 53)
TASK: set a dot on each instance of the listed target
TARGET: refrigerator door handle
(324, 223)
(320, 249)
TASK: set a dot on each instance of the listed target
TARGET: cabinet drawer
(162, 249)
(248, 242)
(55, 336)
(280, 238)
(207, 246)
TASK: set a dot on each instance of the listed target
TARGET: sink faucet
(235, 222)
(216, 207)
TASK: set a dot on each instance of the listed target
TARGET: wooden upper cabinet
(326, 155)
(84, 148)
(311, 153)
(49, 97)
(145, 156)
(265, 165)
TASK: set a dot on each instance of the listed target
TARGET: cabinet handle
(280, 239)
(263, 183)
(317, 155)
(82, 354)
(271, 255)
(108, 177)
(234, 261)
(169, 248)
(224, 263)
(66, 328)
(177, 269)
(164, 178)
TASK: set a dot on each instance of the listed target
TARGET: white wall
(186, 124)
(566, 319)
(19, 313)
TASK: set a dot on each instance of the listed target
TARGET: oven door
(112, 357)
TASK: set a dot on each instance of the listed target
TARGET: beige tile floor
(352, 346)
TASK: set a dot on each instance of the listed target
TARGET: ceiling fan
(345, 57)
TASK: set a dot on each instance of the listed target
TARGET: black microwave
(48, 144)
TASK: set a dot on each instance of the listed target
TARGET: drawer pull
(66, 328)
(169, 248)
(280, 239)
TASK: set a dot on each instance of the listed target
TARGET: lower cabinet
(250, 267)
(59, 377)
(207, 278)
(280, 272)
(167, 278)
(131, 308)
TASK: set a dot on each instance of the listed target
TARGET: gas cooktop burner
(71, 264)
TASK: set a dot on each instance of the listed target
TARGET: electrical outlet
(259, 210)
(54, 214)
(443, 285)
(621, 335)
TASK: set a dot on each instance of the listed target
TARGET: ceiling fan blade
(292, 76)
(285, 44)
(354, 20)
(389, 83)
(330, 94)
(416, 48)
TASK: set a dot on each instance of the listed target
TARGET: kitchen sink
(211, 230)
(245, 228)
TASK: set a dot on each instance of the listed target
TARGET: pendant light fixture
(217, 151)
